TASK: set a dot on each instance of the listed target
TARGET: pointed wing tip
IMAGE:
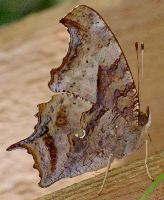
(14, 146)
(35, 165)
(62, 20)
(73, 12)
(10, 148)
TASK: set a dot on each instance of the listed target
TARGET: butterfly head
(145, 119)
(143, 125)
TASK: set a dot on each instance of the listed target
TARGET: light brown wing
(116, 92)
(49, 144)
(92, 46)
(59, 153)
(56, 149)
(95, 68)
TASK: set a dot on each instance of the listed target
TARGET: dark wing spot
(49, 142)
(61, 118)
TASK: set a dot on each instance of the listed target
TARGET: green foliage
(11, 10)
(152, 187)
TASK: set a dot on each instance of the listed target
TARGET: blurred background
(12, 10)
(32, 42)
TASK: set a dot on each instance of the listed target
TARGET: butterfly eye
(143, 119)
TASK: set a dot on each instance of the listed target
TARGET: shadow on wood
(124, 183)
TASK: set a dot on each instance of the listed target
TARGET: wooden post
(124, 183)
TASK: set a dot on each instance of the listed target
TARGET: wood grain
(132, 176)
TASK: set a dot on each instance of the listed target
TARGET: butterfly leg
(106, 174)
(146, 158)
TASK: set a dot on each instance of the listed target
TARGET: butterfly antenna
(146, 141)
(138, 71)
(106, 174)
(142, 66)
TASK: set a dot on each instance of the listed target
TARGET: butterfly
(95, 110)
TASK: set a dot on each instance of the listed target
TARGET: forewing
(116, 110)
(116, 92)
(92, 45)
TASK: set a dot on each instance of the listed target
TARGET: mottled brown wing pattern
(92, 44)
(98, 113)
(56, 150)
(107, 81)
(58, 122)
(116, 93)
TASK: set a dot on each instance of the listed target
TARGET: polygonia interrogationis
(96, 112)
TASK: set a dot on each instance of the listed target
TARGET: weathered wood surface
(132, 176)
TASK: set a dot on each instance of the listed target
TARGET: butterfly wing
(92, 46)
(74, 136)
(95, 68)
(56, 150)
